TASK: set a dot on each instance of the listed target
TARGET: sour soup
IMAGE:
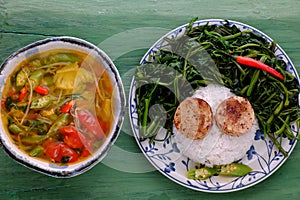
(57, 106)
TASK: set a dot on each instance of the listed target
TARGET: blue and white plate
(263, 156)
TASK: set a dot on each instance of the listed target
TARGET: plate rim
(133, 92)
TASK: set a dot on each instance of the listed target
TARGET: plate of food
(214, 105)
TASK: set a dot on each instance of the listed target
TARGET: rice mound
(216, 148)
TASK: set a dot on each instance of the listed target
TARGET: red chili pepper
(60, 152)
(89, 121)
(67, 107)
(42, 90)
(259, 65)
(22, 94)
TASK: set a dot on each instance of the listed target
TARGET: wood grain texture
(97, 21)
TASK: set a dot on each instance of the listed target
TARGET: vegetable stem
(145, 116)
(229, 37)
(253, 82)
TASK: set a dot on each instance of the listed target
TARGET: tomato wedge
(62, 153)
(68, 155)
(72, 137)
(88, 147)
(91, 123)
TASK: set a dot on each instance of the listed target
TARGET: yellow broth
(57, 105)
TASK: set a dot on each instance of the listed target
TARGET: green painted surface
(105, 23)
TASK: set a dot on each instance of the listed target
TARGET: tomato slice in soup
(60, 152)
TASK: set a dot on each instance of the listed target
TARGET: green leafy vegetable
(207, 54)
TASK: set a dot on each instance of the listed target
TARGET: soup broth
(57, 105)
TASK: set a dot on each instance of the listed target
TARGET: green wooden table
(125, 30)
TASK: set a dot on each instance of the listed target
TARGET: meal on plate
(230, 133)
(216, 86)
(57, 105)
(228, 128)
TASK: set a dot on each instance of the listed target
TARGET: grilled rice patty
(193, 118)
(235, 116)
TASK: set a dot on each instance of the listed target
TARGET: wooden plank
(23, 22)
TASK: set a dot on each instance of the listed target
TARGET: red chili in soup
(53, 103)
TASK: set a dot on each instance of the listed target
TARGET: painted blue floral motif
(158, 154)
(169, 167)
(259, 135)
(151, 148)
(186, 163)
(263, 156)
(166, 142)
(251, 152)
(175, 148)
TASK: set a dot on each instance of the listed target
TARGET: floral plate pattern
(263, 156)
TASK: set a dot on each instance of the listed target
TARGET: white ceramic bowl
(80, 45)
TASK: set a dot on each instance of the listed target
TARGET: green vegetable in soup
(61, 121)
(22, 76)
(66, 57)
(15, 129)
(40, 100)
(39, 150)
(33, 139)
(36, 77)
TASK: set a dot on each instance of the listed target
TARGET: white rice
(216, 148)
